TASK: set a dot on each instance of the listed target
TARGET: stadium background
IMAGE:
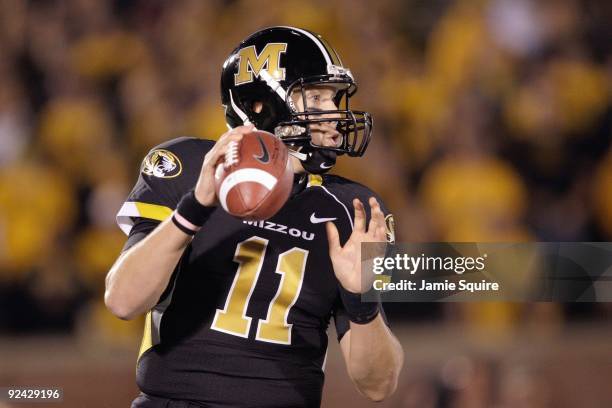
(492, 124)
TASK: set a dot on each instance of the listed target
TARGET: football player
(237, 312)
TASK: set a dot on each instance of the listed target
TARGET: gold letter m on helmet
(269, 59)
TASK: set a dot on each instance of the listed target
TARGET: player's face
(320, 98)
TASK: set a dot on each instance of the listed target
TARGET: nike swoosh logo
(265, 157)
(316, 220)
(325, 166)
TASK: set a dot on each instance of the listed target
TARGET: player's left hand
(346, 259)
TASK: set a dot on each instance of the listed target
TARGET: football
(255, 178)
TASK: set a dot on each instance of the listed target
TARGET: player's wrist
(190, 214)
(358, 310)
(206, 200)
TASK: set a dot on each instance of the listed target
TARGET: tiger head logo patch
(390, 228)
(161, 163)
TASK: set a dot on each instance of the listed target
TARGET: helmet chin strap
(298, 155)
(318, 161)
(243, 116)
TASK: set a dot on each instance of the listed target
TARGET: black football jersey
(243, 322)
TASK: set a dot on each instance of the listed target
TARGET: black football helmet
(273, 63)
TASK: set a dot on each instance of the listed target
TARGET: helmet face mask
(355, 127)
(275, 63)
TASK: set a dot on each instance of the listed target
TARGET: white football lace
(231, 155)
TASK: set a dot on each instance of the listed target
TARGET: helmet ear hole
(269, 113)
(257, 106)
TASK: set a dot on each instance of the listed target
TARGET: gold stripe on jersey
(135, 209)
(147, 337)
(314, 180)
(153, 211)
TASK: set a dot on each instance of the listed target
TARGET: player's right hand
(205, 187)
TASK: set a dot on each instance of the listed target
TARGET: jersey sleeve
(345, 191)
(167, 172)
(363, 194)
(141, 228)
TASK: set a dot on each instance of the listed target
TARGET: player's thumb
(332, 236)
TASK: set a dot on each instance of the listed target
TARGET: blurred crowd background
(492, 123)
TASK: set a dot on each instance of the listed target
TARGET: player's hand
(205, 187)
(346, 259)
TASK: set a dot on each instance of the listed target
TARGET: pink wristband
(183, 224)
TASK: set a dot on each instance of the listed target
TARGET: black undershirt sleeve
(141, 228)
